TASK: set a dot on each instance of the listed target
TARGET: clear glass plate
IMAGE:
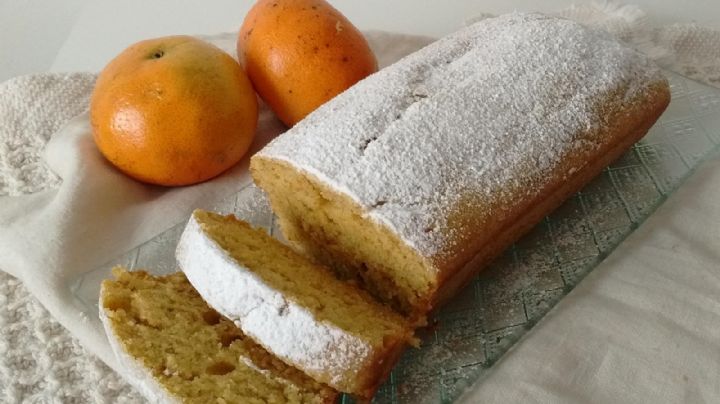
(474, 329)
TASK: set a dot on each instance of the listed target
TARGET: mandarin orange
(173, 111)
(301, 53)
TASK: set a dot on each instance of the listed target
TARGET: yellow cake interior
(193, 352)
(310, 285)
(330, 228)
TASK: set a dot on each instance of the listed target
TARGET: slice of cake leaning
(299, 311)
(414, 178)
(176, 349)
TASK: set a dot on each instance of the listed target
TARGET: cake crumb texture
(298, 310)
(192, 352)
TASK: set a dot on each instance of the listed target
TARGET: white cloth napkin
(636, 329)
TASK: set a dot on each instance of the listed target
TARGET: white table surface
(68, 35)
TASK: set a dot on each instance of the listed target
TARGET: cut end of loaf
(334, 230)
(161, 326)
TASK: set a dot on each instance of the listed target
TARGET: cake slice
(416, 177)
(299, 311)
(175, 348)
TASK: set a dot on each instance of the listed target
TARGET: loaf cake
(175, 348)
(297, 310)
(417, 176)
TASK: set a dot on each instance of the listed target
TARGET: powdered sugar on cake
(462, 117)
(282, 326)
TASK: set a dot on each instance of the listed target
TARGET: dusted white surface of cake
(452, 145)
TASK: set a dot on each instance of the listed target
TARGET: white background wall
(65, 35)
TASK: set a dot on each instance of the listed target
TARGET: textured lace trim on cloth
(40, 362)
